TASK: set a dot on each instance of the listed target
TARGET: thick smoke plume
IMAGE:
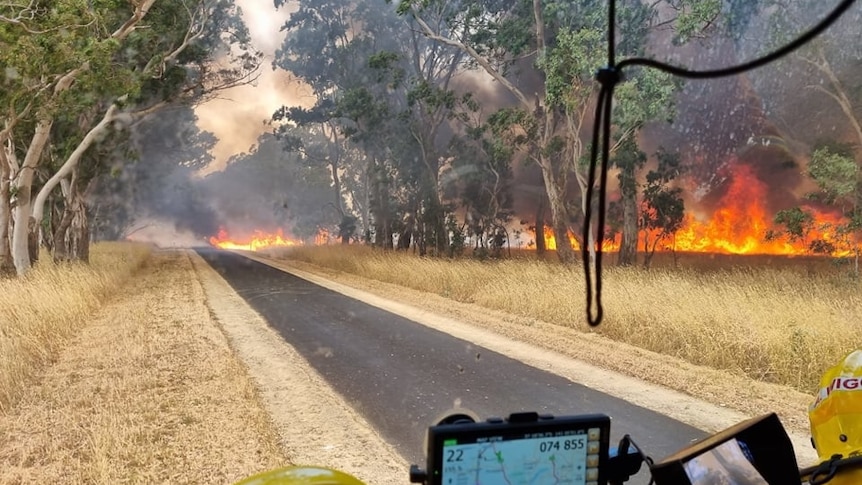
(239, 117)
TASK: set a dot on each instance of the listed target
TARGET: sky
(237, 118)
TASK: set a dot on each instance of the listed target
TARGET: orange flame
(738, 226)
(551, 241)
(258, 241)
(740, 223)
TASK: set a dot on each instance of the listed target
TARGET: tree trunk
(24, 222)
(56, 212)
(61, 250)
(540, 227)
(72, 237)
(33, 238)
(556, 188)
(79, 233)
(438, 215)
(6, 265)
(71, 163)
(628, 198)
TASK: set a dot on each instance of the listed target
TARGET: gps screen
(569, 457)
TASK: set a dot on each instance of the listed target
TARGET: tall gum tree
(366, 46)
(332, 31)
(563, 42)
(183, 64)
(124, 73)
(67, 42)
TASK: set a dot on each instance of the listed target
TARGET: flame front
(257, 241)
(551, 241)
(738, 225)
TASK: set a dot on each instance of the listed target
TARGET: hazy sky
(238, 119)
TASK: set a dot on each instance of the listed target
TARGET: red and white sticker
(838, 384)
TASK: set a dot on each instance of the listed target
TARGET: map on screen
(571, 459)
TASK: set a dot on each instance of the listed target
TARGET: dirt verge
(148, 392)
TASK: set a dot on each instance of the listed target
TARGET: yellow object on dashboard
(301, 475)
(836, 414)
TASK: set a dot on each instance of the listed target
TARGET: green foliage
(662, 208)
(835, 172)
(629, 159)
(647, 95)
(694, 16)
(458, 241)
(570, 65)
(797, 223)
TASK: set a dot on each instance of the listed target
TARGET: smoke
(720, 123)
(240, 114)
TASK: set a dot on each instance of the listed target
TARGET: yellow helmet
(836, 415)
(301, 475)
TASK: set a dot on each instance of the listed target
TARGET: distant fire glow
(260, 240)
(257, 241)
(738, 225)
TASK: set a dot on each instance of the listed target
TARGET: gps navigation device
(526, 448)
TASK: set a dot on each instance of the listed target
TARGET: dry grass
(775, 324)
(149, 392)
(40, 312)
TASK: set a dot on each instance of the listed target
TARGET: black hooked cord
(611, 75)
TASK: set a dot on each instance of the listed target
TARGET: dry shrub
(38, 313)
(776, 324)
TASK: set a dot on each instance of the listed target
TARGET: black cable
(825, 471)
(587, 230)
(608, 78)
(753, 64)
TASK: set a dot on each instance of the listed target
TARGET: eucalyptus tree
(360, 59)
(561, 44)
(829, 119)
(98, 68)
(662, 210)
(481, 178)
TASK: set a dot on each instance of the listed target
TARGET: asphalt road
(401, 375)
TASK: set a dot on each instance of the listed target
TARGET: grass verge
(776, 325)
(148, 392)
(43, 310)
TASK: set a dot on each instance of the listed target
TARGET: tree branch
(142, 7)
(193, 33)
(72, 161)
(839, 94)
(473, 54)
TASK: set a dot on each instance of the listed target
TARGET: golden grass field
(41, 311)
(770, 318)
(142, 387)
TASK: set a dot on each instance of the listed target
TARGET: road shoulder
(148, 392)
